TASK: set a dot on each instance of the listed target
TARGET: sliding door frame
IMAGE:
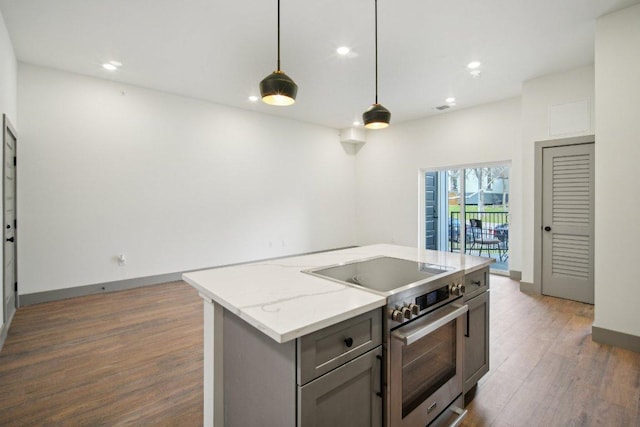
(462, 184)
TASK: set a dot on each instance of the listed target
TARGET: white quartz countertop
(277, 298)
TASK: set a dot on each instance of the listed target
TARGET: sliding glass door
(467, 210)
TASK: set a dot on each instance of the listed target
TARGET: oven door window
(427, 364)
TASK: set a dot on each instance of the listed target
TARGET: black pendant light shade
(278, 88)
(376, 116)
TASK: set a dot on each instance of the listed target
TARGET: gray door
(431, 210)
(476, 344)
(9, 214)
(345, 397)
(567, 222)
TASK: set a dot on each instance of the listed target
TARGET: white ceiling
(220, 50)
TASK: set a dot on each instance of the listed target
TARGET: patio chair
(501, 232)
(482, 240)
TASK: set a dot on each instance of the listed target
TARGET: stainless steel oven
(425, 361)
(423, 336)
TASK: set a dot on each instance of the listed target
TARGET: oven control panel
(425, 302)
(401, 314)
(457, 289)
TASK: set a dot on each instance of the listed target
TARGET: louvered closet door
(567, 221)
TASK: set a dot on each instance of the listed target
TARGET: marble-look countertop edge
(478, 267)
(332, 320)
(380, 301)
(365, 300)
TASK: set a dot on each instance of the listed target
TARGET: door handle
(547, 228)
(10, 239)
(426, 325)
(379, 393)
(468, 333)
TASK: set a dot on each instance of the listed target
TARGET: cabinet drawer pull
(462, 413)
(348, 341)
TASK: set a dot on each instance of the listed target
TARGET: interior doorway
(466, 209)
(10, 285)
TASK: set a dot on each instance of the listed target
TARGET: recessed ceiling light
(116, 63)
(109, 66)
(473, 65)
(253, 98)
(450, 100)
(343, 50)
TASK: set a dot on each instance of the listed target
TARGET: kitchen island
(285, 304)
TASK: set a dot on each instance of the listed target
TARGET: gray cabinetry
(328, 348)
(327, 378)
(476, 351)
(346, 396)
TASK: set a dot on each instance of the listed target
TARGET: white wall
(173, 183)
(617, 152)
(8, 99)
(540, 99)
(388, 166)
(8, 72)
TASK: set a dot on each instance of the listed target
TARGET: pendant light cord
(376, 20)
(278, 35)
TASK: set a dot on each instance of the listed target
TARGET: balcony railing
(494, 225)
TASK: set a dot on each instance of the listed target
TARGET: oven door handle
(414, 331)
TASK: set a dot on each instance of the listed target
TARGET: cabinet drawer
(476, 283)
(324, 350)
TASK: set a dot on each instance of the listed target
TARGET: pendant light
(278, 88)
(376, 116)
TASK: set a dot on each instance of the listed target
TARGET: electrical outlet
(122, 260)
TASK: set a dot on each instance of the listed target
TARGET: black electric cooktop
(383, 274)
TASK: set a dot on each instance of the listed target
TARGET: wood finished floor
(135, 358)
(124, 358)
(546, 370)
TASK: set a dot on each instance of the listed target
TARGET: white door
(567, 222)
(9, 214)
